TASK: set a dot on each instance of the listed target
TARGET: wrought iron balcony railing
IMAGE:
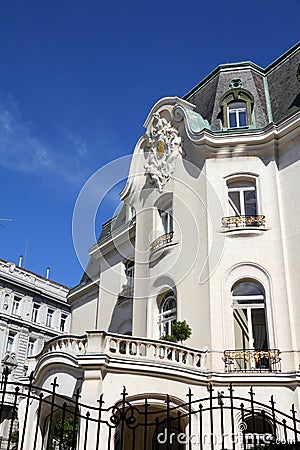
(243, 221)
(252, 360)
(162, 240)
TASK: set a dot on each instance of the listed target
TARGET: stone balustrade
(75, 345)
(129, 347)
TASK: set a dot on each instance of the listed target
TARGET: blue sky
(77, 80)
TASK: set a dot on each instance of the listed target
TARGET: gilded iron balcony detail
(252, 360)
(243, 221)
(162, 240)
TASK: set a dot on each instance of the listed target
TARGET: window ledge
(245, 231)
(248, 127)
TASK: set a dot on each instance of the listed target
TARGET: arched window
(166, 219)
(167, 313)
(237, 105)
(242, 198)
(129, 272)
(250, 325)
(243, 205)
(248, 300)
(163, 223)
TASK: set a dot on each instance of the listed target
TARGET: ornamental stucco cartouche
(164, 147)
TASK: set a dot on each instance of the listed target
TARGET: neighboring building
(33, 309)
(208, 233)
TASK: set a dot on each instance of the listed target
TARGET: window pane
(239, 184)
(237, 114)
(241, 332)
(232, 119)
(242, 118)
(10, 342)
(250, 203)
(234, 203)
(167, 313)
(259, 329)
(237, 105)
(247, 288)
(167, 221)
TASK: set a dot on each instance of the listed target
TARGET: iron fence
(32, 418)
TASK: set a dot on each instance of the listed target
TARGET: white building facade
(209, 234)
(33, 309)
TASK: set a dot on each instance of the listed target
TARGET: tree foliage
(62, 432)
(180, 332)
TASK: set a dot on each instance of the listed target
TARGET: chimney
(47, 273)
(20, 260)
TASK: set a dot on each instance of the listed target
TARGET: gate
(32, 418)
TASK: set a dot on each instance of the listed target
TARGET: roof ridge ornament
(165, 146)
(236, 83)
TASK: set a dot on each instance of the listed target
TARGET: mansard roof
(276, 89)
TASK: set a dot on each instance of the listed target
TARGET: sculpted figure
(165, 146)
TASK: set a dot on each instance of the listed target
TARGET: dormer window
(237, 115)
(237, 106)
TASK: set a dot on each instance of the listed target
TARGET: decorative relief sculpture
(165, 146)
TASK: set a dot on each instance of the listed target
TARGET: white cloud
(79, 143)
(21, 150)
(72, 161)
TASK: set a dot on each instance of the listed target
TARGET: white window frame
(249, 303)
(129, 272)
(232, 186)
(63, 321)
(166, 220)
(49, 318)
(16, 306)
(31, 346)
(10, 343)
(236, 111)
(35, 312)
(166, 318)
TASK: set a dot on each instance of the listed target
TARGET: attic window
(237, 106)
(237, 115)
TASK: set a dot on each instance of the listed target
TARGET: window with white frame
(249, 315)
(10, 342)
(35, 311)
(166, 220)
(31, 347)
(63, 320)
(242, 198)
(167, 313)
(237, 106)
(16, 306)
(237, 115)
(129, 272)
(49, 317)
